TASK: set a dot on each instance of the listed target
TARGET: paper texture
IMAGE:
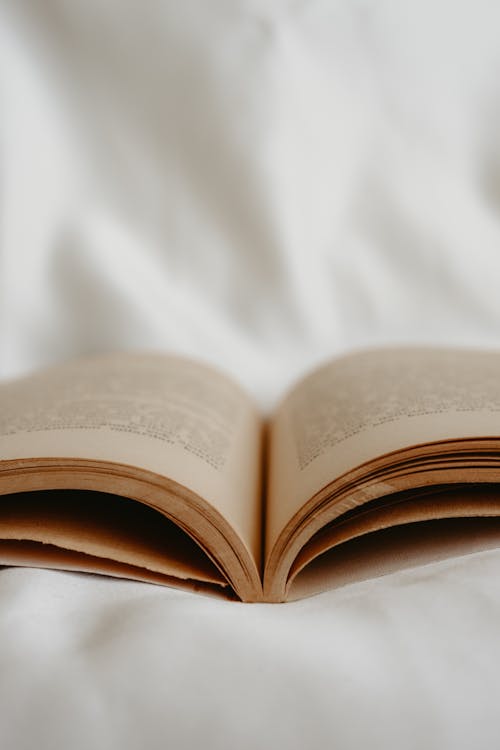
(167, 415)
(369, 404)
(105, 527)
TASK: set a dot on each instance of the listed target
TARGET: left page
(163, 415)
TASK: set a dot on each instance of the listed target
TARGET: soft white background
(261, 185)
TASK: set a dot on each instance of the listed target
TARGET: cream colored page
(365, 405)
(164, 414)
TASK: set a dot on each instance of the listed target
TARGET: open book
(160, 469)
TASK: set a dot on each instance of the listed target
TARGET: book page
(365, 405)
(159, 413)
(394, 550)
(111, 529)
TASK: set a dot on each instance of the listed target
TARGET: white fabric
(260, 185)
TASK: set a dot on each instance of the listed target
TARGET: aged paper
(365, 405)
(167, 415)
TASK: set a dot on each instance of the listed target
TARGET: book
(158, 468)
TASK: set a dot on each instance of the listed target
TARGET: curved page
(165, 415)
(360, 407)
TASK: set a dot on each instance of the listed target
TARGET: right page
(357, 409)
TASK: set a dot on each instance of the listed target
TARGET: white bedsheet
(260, 185)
